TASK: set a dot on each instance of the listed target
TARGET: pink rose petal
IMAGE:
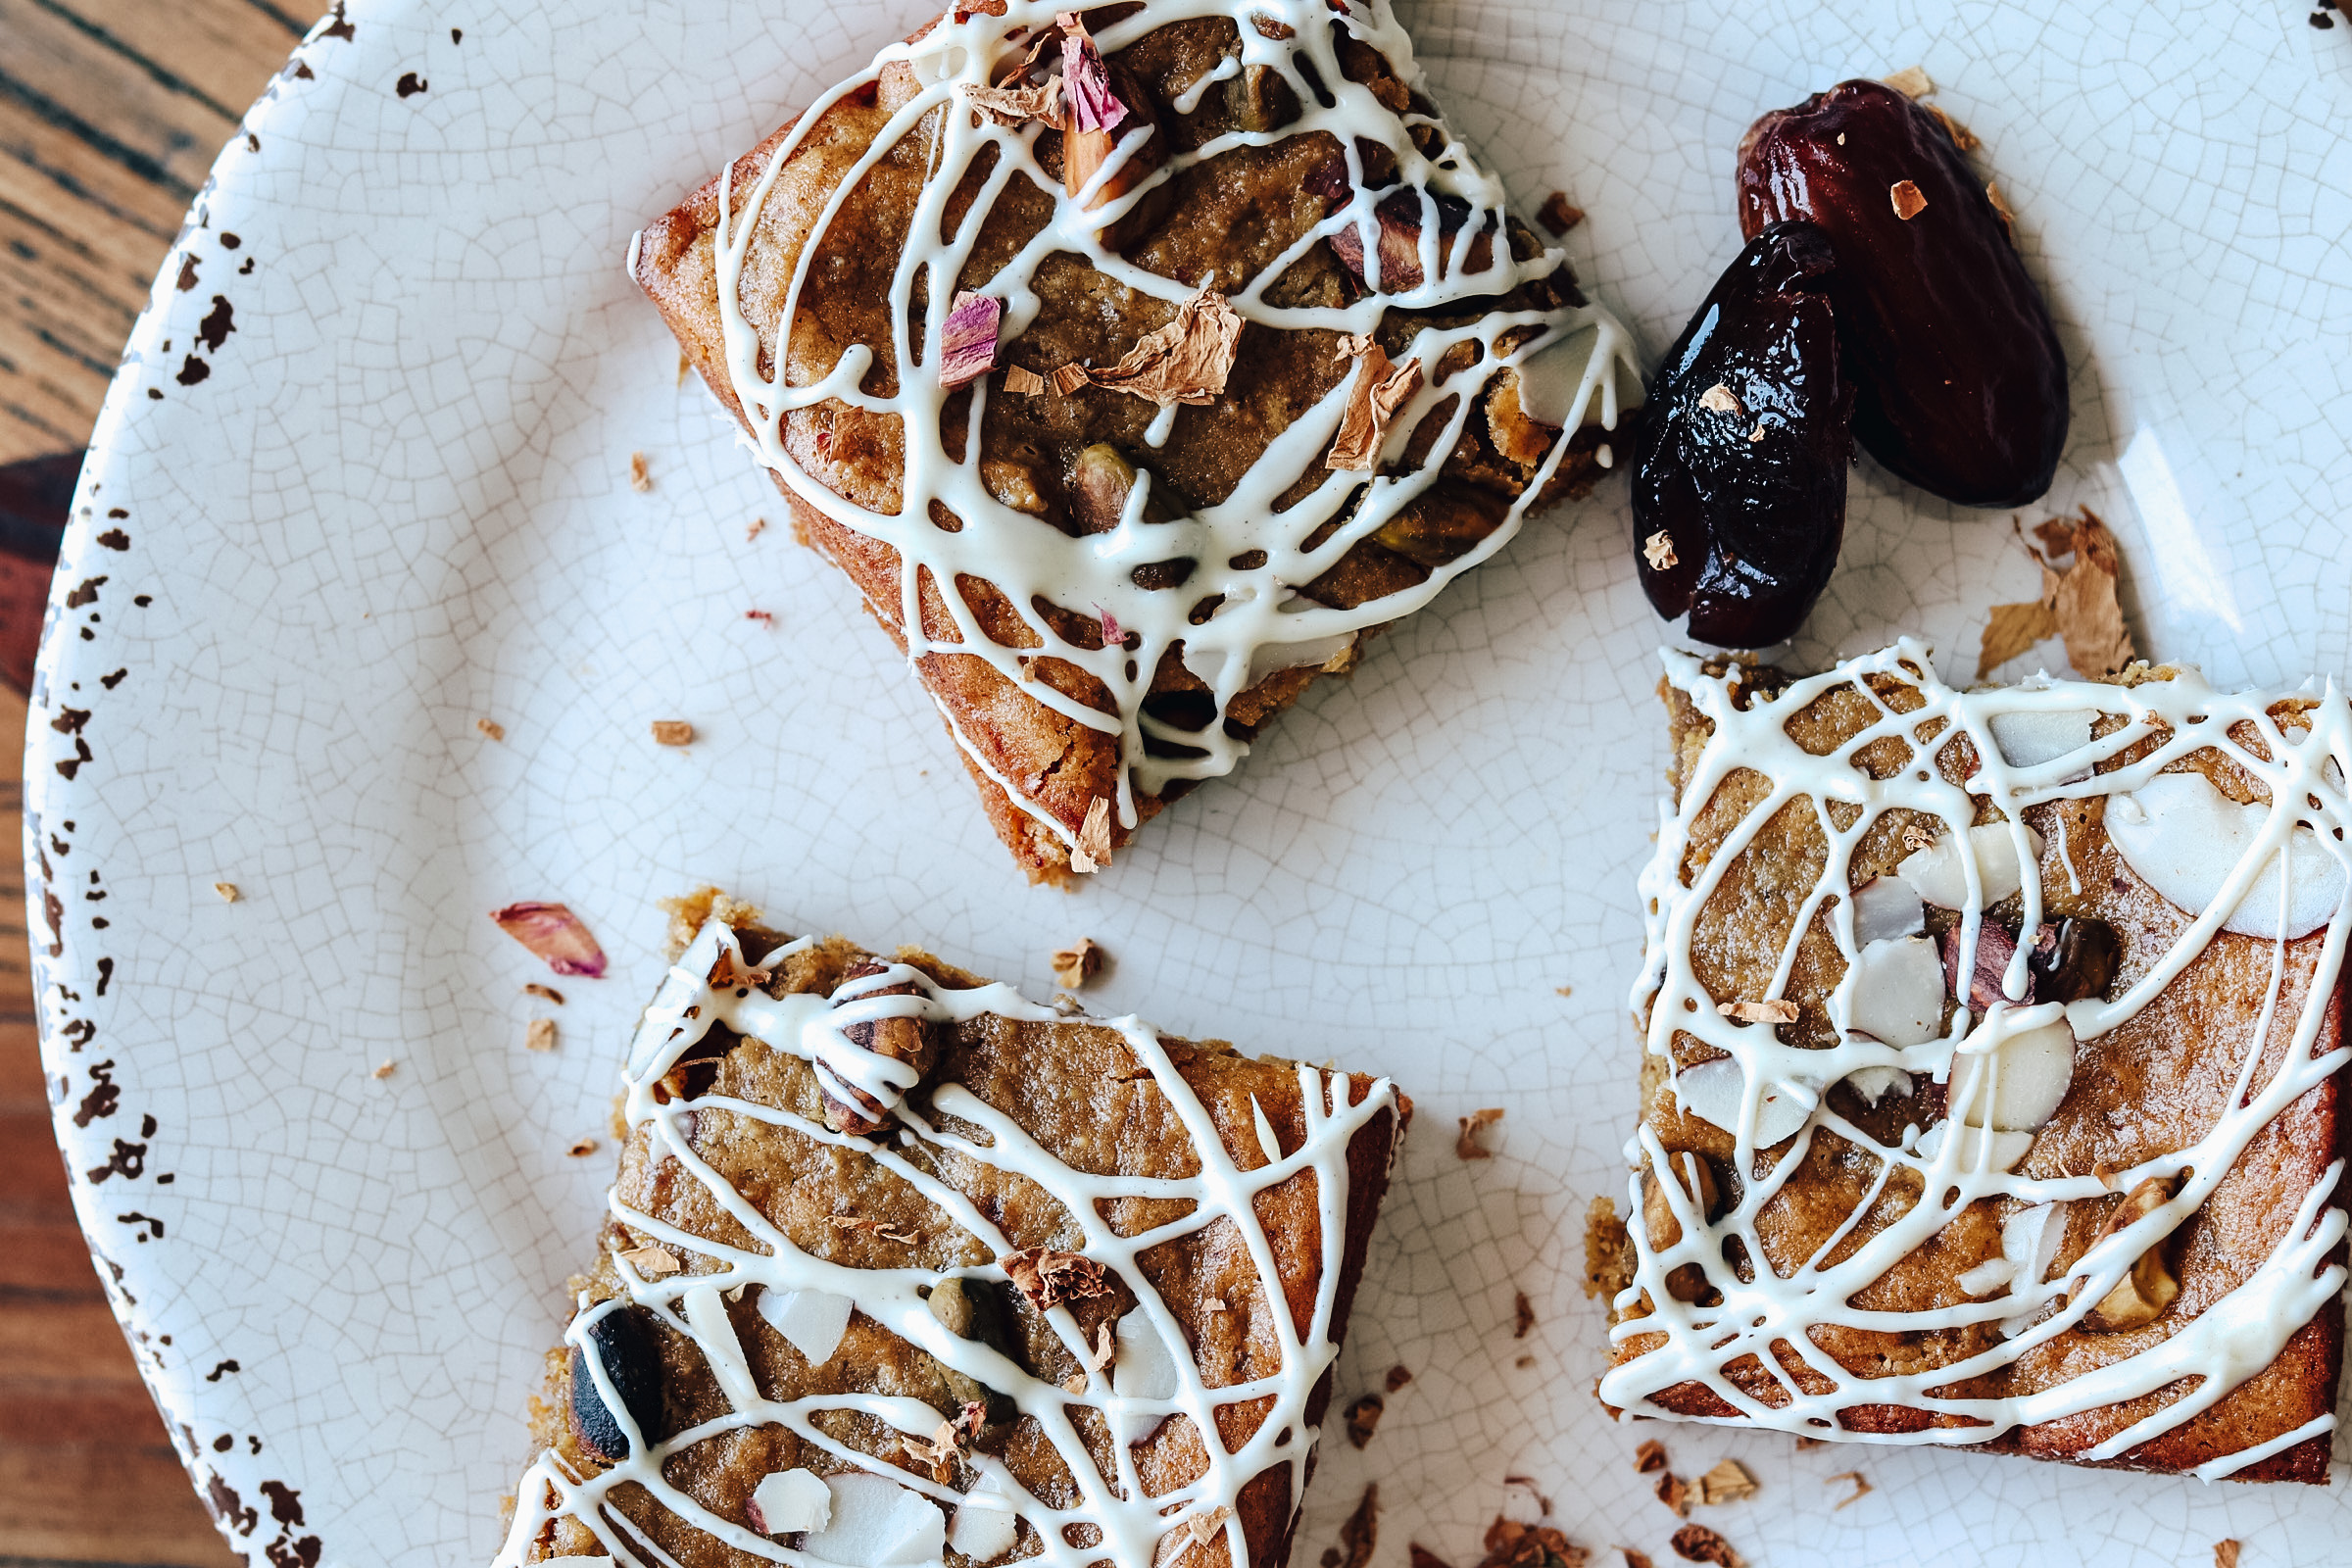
(1084, 82)
(556, 934)
(1113, 635)
(967, 339)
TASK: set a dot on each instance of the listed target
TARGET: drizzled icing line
(1131, 1524)
(1261, 628)
(2232, 1338)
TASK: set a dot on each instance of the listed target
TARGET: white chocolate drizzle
(1261, 626)
(2226, 1342)
(1132, 1396)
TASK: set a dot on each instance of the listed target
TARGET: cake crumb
(1861, 1487)
(584, 1146)
(228, 890)
(1907, 200)
(491, 727)
(533, 987)
(1636, 1559)
(1698, 1544)
(1652, 1456)
(2224, 1554)
(1398, 1378)
(1558, 213)
(1658, 550)
(654, 1262)
(1465, 1144)
(384, 1069)
(1911, 82)
(1606, 1244)
(1363, 1417)
(1563, 990)
(641, 478)
(1728, 1482)
(539, 1035)
(1522, 1314)
(1524, 1362)
(1674, 1492)
(758, 526)
(1077, 964)
(673, 732)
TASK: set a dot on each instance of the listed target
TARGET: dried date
(1740, 472)
(1960, 383)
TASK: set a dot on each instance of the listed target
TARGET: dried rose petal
(1084, 82)
(1373, 400)
(967, 339)
(1185, 361)
(556, 934)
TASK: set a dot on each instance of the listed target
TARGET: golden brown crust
(2153, 1084)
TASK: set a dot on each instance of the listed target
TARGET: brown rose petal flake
(1465, 1144)
(1992, 194)
(1728, 1482)
(1185, 361)
(1607, 1270)
(1674, 1492)
(1522, 1314)
(383, 1069)
(554, 934)
(1373, 399)
(1512, 1545)
(533, 987)
(1911, 82)
(539, 1035)
(1907, 200)
(1077, 964)
(1105, 1351)
(1049, 1278)
(673, 732)
(1698, 1544)
(228, 890)
(1542, 1503)
(2224, 1554)
(1421, 1557)
(2079, 605)
(1652, 1456)
(875, 1227)
(1861, 1487)
(640, 479)
(1962, 137)
(1398, 1378)
(1023, 382)
(1363, 1417)
(654, 1262)
(1777, 1010)
(1093, 850)
(1014, 106)
(585, 1147)
(758, 526)
(1636, 1559)
(491, 727)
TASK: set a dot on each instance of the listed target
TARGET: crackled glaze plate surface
(363, 482)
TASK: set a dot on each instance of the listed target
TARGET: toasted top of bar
(1111, 579)
(979, 1273)
(2078, 1207)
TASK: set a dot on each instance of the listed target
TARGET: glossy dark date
(1740, 472)
(629, 1346)
(1960, 383)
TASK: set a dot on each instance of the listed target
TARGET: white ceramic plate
(393, 500)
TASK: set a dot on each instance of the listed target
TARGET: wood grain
(111, 112)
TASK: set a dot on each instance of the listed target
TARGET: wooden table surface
(110, 114)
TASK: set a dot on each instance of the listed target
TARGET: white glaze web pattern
(1131, 1524)
(1580, 355)
(2301, 768)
